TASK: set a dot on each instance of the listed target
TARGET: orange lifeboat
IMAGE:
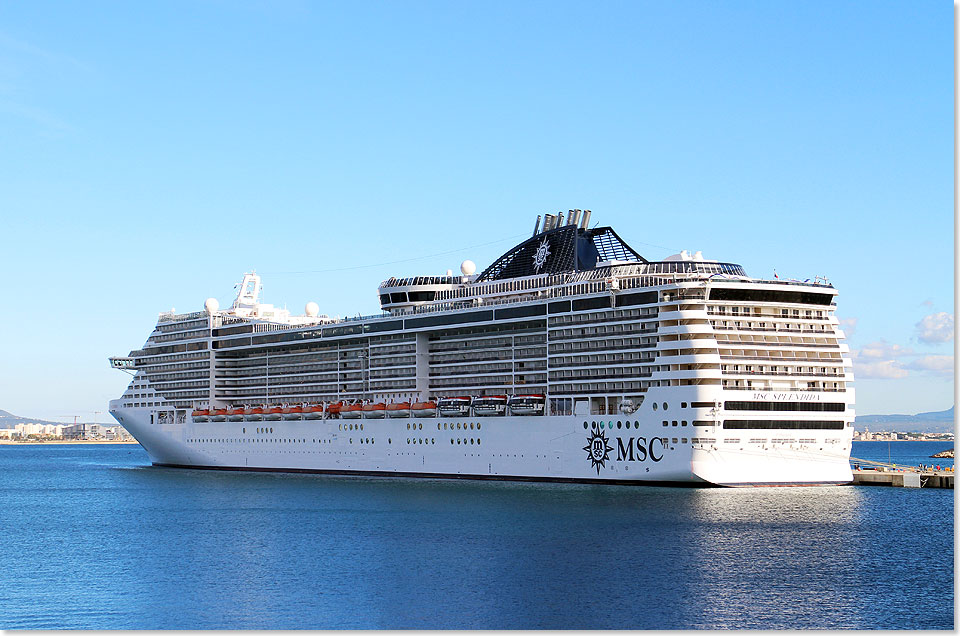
(334, 408)
(273, 413)
(490, 405)
(313, 412)
(351, 411)
(218, 415)
(292, 412)
(424, 409)
(454, 406)
(398, 409)
(374, 411)
(253, 415)
(200, 415)
(235, 414)
(527, 404)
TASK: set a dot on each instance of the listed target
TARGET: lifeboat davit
(235, 414)
(398, 409)
(313, 412)
(351, 411)
(253, 415)
(374, 411)
(527, 404)
(454, 406)
(200, 415)
(424, 409)
(273, 413)
(218, 415)
(489, 405)
(292, 412)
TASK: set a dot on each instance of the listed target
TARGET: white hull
(535, 447)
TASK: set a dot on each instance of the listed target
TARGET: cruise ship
(570, 358)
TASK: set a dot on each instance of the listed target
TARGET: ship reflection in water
(108, 543)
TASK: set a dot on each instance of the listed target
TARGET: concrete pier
(906, 478)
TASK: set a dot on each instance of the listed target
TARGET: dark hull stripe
(390, 473)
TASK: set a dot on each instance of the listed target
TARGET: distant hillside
(930, 422)
(9, 420)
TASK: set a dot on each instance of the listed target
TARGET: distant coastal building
(84, 431)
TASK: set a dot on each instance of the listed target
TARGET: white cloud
(935, 328)
(938, 364)
(881, 350)
(849, 326)
(883, 360)
(883, 369)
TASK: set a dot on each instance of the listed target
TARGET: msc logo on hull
(631, 449)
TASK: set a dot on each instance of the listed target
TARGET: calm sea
(93, 537)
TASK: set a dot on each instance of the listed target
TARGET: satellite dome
(312, 309)
(469, 268)
(211, 305)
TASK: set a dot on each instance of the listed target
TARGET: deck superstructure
(683, 370)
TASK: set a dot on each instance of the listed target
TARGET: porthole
(478, 426)
(361, 427)
(601, 424)
(451, 440)
(478, 441)
(593, 424)
(444, 426)
(408, 440)
(438, 426)
(471, 441)
(408, 426)
(674, 422)
(471, 426)
(458, 426)
(389, 440)
(584, 426)
(458, 441)
(619, 424)
(636, 425)
(654, 406)
(664, 406)
(433, 440)
(420, 426)
(683, 405)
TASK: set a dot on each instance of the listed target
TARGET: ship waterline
(571, 358)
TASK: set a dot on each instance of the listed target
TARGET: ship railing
(169, 316)
(552, 286)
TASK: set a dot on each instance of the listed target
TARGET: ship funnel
(548, 221)
(574, 217)
(536, 227)
(585, 224)
(559, 219)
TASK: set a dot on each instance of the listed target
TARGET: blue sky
(150, 153)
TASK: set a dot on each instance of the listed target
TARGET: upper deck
(612, 330)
